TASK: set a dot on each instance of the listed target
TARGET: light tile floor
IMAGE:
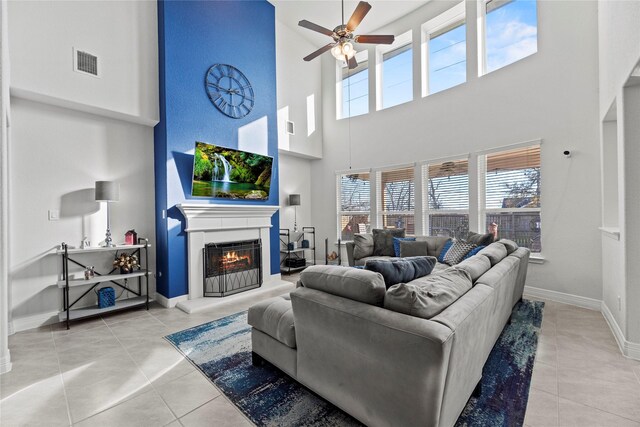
(119, 371)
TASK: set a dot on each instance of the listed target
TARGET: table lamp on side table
(294, 200)
(107, 191)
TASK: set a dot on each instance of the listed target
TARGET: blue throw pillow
(396, 243)
(444, 250)
(473, 251)
(401, 270)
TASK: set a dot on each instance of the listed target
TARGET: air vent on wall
(290, 127)
(84, 62)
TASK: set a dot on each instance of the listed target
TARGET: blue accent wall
(194, 35)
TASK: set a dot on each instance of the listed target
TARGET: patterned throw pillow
(444, 250)
(473, 251)
(396, 243)
(457, 252)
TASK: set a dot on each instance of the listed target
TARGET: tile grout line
(64, 387)
(601, 410)
(132, 397)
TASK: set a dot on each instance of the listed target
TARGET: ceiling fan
(343, 37)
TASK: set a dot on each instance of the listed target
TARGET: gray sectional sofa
(334, 335)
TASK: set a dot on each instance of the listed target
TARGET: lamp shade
(294, 200)
(107, 191)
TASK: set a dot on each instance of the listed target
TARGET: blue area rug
(222, 351)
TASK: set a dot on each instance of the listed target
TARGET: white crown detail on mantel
(204, 216)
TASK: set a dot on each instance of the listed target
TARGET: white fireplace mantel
(217, 223)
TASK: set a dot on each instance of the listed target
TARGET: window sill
(537, 259)
(611, 232)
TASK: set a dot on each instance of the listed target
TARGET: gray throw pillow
(457, 252)
(416, 248)
(363, 245)
(428, 296)
(480, 239)
(383, 241)
(399, 270)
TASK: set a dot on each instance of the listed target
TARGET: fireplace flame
(233, 259)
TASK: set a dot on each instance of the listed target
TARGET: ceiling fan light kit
(342, 47)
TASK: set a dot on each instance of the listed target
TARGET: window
(510, 30)
(512, 194)
(354, 207)
(353, 96)
(396, 199)
(445, 51)
(446, 198)
(395, 76)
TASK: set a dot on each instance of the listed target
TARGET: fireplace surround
(220, 223)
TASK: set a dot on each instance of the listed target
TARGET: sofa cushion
(274, 317)
(476, 266)
(510, 245)
(362, 245)
(457, 251)
(428, 296)
(383, 241)
(400, 270)
(445, 248)
(396, 244)
(414, 248)
(480, 239)
(353, 283)
(496, 252)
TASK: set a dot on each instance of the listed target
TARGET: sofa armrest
(350, 259)
(383, 367)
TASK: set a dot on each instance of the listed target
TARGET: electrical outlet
(619, 303)
(54, 214)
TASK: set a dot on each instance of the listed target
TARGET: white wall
(299, 94)
(619, 52)
(56, 157)
(69, 130)
(550, 95)
(295, 178)
(123, 34)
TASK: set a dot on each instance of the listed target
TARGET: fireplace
(230, 268)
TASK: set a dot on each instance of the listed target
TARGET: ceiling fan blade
(352, 63)
(315, 27)
(358, 15)
(319, 52)
(377, 39)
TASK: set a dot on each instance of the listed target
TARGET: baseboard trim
(584, 302)
(29, 322)
(169, 302)
(5, 363)
(627, 348)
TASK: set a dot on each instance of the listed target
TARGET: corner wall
(550, 95)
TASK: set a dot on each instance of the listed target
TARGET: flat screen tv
(230, 174)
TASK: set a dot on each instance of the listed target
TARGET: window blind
(355, 192)
(447, 185)
(513, 179)
(397, 189)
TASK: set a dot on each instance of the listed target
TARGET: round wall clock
(229, 90)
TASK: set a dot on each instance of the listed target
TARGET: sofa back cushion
(510, 245)
(383, 241)
(362, 245)
(353, 283)
(476, 266)
(401, 270)
(428, 296)
(496, 252)
(416, 248)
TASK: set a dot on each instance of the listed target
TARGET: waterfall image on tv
(230, 174)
